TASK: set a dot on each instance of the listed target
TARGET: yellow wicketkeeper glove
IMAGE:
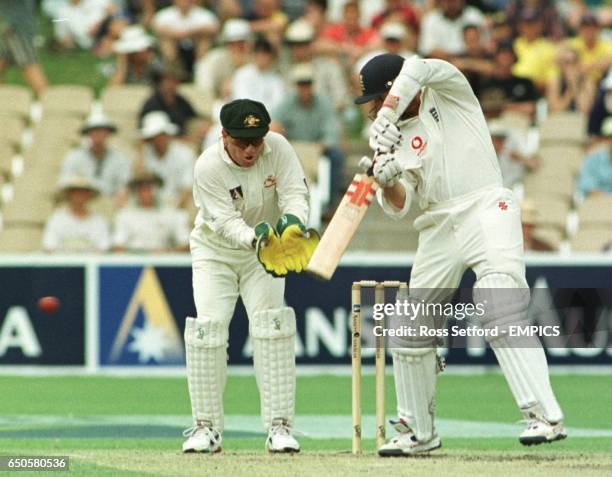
(297, 242)
(269, 250)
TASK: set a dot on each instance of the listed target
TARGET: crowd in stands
(528, 61)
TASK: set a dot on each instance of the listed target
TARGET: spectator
(267, 19)
(328, 74)
(348, 38)
(106, 167)
(501, 32)
(315, 13)
(307, 116)
(73, 228)
(601, 112)
(146, 226)
(166, 98)
(17, 42)
(529, 218)
(595, 52)
(442, 28)
(214, 72)
(595, 177)
(544, 9)
(259, 80)
(535, 54)
(135, 57)
(397, 11)
(475, 63)
(84, 23)
(509, 146)
(503, 91)
(169, 159)
(185, 32)
(571, 90)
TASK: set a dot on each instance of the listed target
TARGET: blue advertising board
(142, 311)
(28, 334)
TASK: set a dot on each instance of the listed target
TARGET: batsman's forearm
(395, 195)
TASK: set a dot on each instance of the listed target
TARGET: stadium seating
(201, 100)
(563, 128)
(11, 130)
(15, 101)
(592, 239)
(21, 238)
(67, 100)
(567, 157)
(125, 101)
(550, 181)
(596, 211)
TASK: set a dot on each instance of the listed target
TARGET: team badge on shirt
(251, 121)
(270, 181)
(236, 193)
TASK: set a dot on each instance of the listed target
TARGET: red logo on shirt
(417, 142)
(502, 205)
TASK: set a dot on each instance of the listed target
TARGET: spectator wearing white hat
(213, 73)
(329, 77)
(135, 57)
(147, 225)
(397, 40)
(108, 168)
(73, 227)
(168, 158)
(185, 31)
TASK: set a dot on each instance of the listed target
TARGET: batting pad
(415, 371)
(521, 359)
(273, 336)
(206, 346)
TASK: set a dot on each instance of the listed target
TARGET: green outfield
(132, 426)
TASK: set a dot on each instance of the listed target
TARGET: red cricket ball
(49, 304)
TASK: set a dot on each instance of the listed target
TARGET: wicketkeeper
(432, 144)
(249, 180)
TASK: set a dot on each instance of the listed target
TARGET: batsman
(431, 143)
(246, 182)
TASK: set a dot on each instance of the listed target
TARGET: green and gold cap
(245, 118)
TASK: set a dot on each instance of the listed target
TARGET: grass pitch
(130, 426)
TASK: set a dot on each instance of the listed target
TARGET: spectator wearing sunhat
(396, 39)
(329, 77)
(146, 225)
(307, 116)
(73, 227)
(168, 158)
(213, 73)
(134, 57)
(108, 168)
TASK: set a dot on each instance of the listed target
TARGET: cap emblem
(251, 121)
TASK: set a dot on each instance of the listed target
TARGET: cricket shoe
(540, 431)
(405, 442)
(202, 438)
(280, 439)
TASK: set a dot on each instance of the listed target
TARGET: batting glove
(387, 170)
(384, 133)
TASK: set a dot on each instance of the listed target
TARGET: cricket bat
(343, 226)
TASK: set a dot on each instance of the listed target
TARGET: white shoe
(540, 431)
(280, 439)
(202, 438)
(405, 442)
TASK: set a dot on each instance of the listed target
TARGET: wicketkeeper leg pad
(206, 347)
(415, 371)
(273, 337)
(521, 358)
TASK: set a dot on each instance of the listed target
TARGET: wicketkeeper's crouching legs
(206, 346)
(273, 337)
(521, 359)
